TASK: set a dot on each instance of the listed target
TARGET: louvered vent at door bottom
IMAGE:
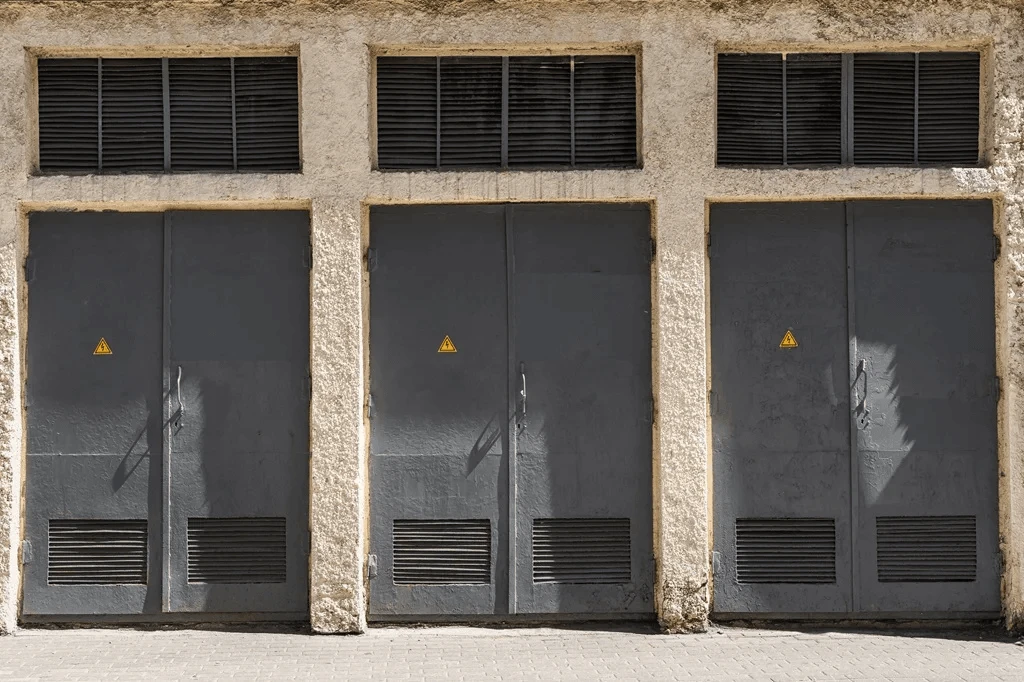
(926, 549)
(581, 551)
(96, 552)
(442, 551)
(793, 550)
(237, 550)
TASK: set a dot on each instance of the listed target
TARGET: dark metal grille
(162, 115)
(237, 550)
(506, 112)
(793, 550)
(921, 549)
(96, 552)
(906, 108)
(442, 551)
(587, 551)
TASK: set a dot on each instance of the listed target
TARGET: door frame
(1002, 359)
(367, 265)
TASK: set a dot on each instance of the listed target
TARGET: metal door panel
(581, 310)
(94, 435)
(239, 455)
(780, 416)
(927, 441)
(439, 431)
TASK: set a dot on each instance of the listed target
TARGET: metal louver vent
(407, 112)
(223, 114)
(786, 550)
(539, 111)
(814, 125)
(883, 108)
(237, 550)
(750, 109)
(68, 114)
(948, 103)
(471, 112)
(605, 110)
(926, 549)
(442, 551)
(96, 552)
(132, 113)
(587, 551)
(506, 112)
(201, 114)
(267, 113)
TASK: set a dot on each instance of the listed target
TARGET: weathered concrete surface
(678, 42)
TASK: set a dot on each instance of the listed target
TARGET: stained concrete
(678, 41)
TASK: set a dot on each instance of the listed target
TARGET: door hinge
(371, 566)
(26, 552)
(307, 257)
(371, 259)
(707, 242)
(650, 410)
(652, 250)
(716, 563)
(30, 269)
(998, 387)
(997, 247)
(307, 385)
(369, 405)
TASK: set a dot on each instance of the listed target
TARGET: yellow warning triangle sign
(103, 348)
(447, 346)
(789, 341)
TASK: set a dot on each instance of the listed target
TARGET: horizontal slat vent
(237, 550)
(407, 112)
(582, 551)
(948, 102)
(814, 125)
(786, 550)
(922, 549)
(108, 115)
(267, 113)
(442, 551)
(883, 109)
(471, 112)
(96, 552)
(506, 112)
(539, 111)
(750, 109)
(605, 116)
(69, 114)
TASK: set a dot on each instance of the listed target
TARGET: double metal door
(853, 408)
(510, 374)
(167, 410)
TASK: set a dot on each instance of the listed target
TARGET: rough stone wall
(678, 42)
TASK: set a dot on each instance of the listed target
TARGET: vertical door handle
(861, 408)
(181, 405)
(522, 391)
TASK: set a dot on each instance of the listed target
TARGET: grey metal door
(853, 408)
(94, 428)
(134, 507)
(238, 452)
(471, 307)
(582, 358)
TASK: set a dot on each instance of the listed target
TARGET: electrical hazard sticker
(103, 348)
(789, 341)
(447, 346)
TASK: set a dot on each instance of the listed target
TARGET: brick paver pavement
(460, 653)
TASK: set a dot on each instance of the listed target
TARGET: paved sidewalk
(460, 653)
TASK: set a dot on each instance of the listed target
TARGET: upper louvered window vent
(163, 115)
(908, 109)
(506, 112)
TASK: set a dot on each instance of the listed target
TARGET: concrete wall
(678, 42)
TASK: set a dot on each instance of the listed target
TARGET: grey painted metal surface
(550, 301)
(891, 307)
(107, 441)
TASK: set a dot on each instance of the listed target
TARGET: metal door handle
(522, 393)
(181, 405)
